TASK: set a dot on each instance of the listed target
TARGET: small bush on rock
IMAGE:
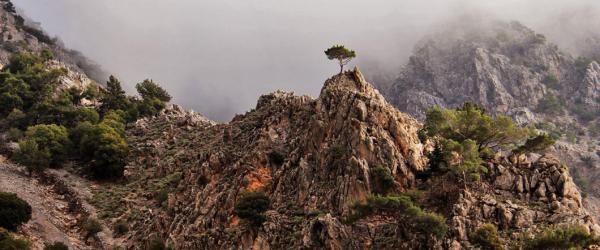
(92, 227)
(56, 246)
(383, 177)
(120, 228)
(486, 237)
(252, 206)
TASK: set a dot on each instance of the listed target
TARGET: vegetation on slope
(60, 127)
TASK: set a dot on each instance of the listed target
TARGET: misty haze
(217, 57)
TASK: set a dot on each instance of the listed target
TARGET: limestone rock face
(510, 70)
(522, 196)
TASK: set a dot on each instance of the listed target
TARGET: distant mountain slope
(509, 69)
(17, 33)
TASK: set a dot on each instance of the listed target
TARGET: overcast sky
(218, 56)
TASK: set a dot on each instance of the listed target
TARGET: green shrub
(31, 156)
(51, 138)
(536, 144)
(202, 180)
(251, 206)
(92, 227)
(8, 242)
(336, 151)
(486, 237)
(585, 114)
(464, 134)
(120, 228)
(552, 82)
(14, 134)
(561, 237)
(13, 211)
(383, 177)
(16, 118)
(56, 246)
(550, 104)
(430, 224)
(105, 148)
(403, 208)
(161, 196)
(156, 244)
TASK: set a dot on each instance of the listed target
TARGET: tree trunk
(464, 179)
(341, 68)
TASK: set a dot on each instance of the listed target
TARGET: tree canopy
(466, 135)
(341, 54)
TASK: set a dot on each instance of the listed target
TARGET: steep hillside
(509, 69)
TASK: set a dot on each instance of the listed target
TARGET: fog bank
(217, 57)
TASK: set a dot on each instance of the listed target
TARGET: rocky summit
(311, 157)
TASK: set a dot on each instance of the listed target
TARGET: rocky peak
(312, 157)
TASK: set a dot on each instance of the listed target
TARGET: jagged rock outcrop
(505, 67)
(519, 195)
(327, 147)
(509, 70)
(314, 159)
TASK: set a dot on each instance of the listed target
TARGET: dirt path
(50, 218)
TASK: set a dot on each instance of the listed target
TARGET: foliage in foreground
(14, 211)
(8, 242)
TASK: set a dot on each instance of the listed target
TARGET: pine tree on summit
(340, 53)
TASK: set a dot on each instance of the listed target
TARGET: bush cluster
(58, 127)
(562, 237)
(402, 207)
(467, 135)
